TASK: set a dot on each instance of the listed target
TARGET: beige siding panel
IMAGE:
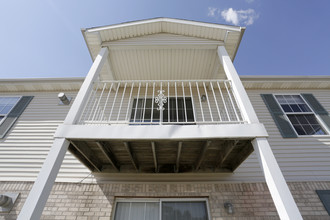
(25, 147)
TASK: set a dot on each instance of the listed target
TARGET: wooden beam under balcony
(178, 157)
(153, 147)
(87, 154)
(229, 146)
(105, 148)
(202, 154)
(131, 155)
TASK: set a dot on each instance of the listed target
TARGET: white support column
(279, 190)
(40, 191)
(86, 88)
(42, 187)
(238, 88)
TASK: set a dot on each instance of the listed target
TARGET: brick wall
(95, 201)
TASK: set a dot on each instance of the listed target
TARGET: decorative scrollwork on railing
(161, 99)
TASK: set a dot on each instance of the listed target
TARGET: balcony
(161, 127)
(161, 103)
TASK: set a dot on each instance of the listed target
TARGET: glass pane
(280, 99)
(318, 130)
(152, 211)
(184, 211)
(304, 108)
(299, 130)
(295, 108)
(6, 109)
(297, 99)
(122, 211)
(306, 124)
(286, 108)
(137, 211)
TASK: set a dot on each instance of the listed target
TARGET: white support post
(87, 87)
(238, 88)
(42, 187)
(279, 190)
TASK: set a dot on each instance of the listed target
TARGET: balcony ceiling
(170, 156)
(163, 49)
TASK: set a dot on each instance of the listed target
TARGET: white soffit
(163, 48)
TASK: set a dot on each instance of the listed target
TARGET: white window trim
(319, 120)
(5, 115)
(160, 200)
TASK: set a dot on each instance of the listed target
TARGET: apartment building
(163, 127)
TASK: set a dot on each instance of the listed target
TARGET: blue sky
(42, 38)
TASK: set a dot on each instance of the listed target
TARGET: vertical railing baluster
(200, 101)
(152, 103)
(114, 101)
(231, 100)
(239, 114)
(95, 100)
(216, 101)
(192, 102)
(137, 101)
(121, 101)
(176, 102)
(168, 102)
(129, 101)
(84, 113)
(161, 110)
(208, 101)
(145, 102)
(98, 103)
(106, 101)
(224, 102)
(184, 102)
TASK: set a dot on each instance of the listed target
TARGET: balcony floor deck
(161, 156)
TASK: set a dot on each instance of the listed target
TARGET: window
(161, 209)
(176, 110)
(10, 109)
(6, 105)
(300, 115)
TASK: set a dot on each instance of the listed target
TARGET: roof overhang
(249, 82)
(140, 44)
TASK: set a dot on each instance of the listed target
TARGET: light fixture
(203, 98)
(7, 201)
(229, 207)
(64, 99)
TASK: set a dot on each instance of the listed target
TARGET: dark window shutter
(283, 125)
(324, 196)
(317, 108)
(14, 114)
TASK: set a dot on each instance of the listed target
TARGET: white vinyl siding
(25, 147)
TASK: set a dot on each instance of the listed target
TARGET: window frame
(321, 123)
(131, 122)
(6, 115)
(160, 200)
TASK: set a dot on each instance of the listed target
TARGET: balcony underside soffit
(189, 156)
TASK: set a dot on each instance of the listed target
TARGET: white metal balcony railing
(161, 102)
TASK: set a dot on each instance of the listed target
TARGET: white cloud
(249, 1)
(236, 17)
